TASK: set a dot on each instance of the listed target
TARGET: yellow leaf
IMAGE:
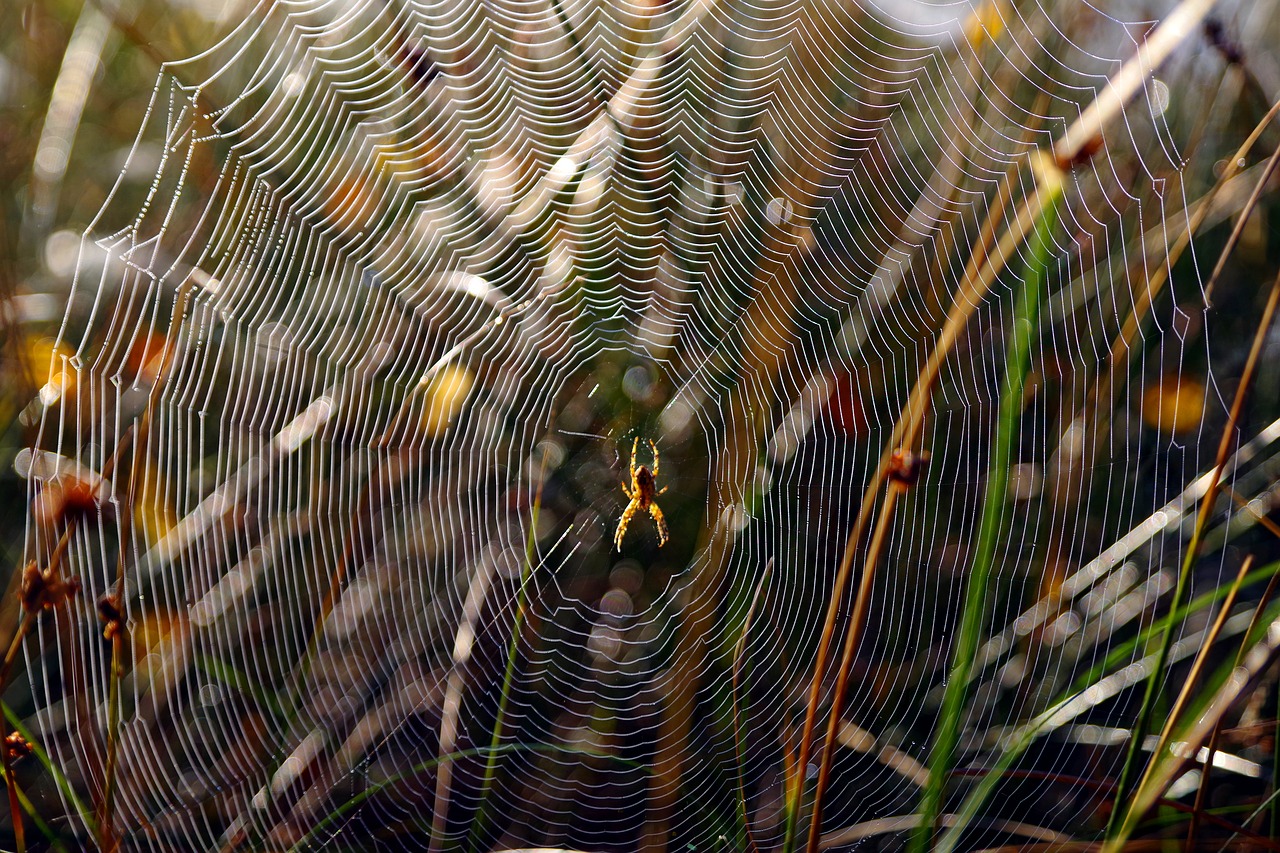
(445, 396)
(1174, 405)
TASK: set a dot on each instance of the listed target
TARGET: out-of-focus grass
(89, 74)
(75, 80)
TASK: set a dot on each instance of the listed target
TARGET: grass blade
(1119, 814)
(1021, 340)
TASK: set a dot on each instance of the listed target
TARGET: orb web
(357, 387)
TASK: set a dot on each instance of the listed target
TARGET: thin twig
(1207, 768)
(476, 834)
(739, 653)
(1197, 666)
(1119, 814)
(1241, 221)
(871, 496)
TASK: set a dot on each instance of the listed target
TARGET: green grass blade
(1124, 651)
(354, 802)
(64, 785)
(1021, 740)
(476, 835)
(1022, 338)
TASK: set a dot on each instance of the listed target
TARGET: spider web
(356, 384)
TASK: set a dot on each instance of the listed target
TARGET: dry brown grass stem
(135, 439)
(769, 333)
(856, 626)
(1085, 134)
(739, 655)
(1263, 521)
(1143, 793)
(1197, 666)
(1206, 767)
(11, 784)
(1241, 221)
(1203, 211)
(1238, 683)
(106, 821)
(835, 723)
(106, 838)
(981, 271)
(1122, 346)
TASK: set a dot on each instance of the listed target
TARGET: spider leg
(626, 491)
(622, 524)
(663, 491)
(654, 448)
(661, 522)
(634, 445)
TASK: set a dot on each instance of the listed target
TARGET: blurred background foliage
(78, 79)
(75, 81)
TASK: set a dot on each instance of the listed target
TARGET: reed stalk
(1121, 820)
(478, 824)
(1206, 768)
(978, 594)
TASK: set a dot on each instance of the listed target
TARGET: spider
(642, 495)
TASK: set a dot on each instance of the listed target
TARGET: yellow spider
(642, 494)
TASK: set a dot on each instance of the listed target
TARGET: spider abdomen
(644, 486)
